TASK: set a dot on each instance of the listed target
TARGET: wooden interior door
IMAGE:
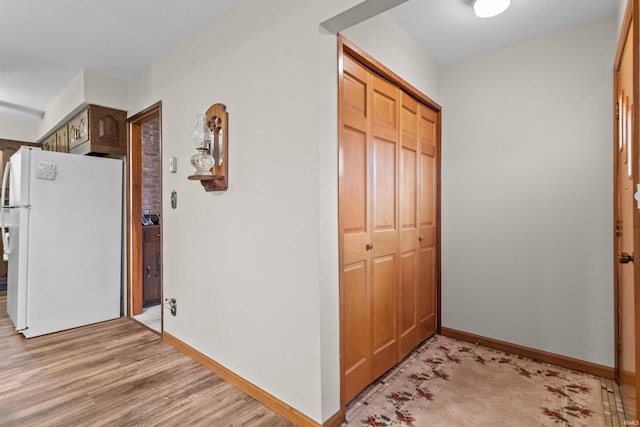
(388, 215)
(137, 271)
(626, 213)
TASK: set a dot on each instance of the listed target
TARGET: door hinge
(617, 110)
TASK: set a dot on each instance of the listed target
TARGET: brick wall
(151, 168)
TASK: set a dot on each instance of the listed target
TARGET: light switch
(173, 164)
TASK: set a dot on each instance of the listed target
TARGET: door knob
(625, 258)
(369, 246)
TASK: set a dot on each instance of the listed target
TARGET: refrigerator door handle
(5, 234)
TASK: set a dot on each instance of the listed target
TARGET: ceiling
(450, 32)
(44, 44)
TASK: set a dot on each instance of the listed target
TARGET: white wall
(255, 269)
(244, 264)
(527, 193)
(70, 98)
(87, 87)
(18, 130)
(106, 91)
(621, 10)
(399, 51)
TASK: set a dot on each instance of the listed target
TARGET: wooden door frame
(346, 47)
(134, 211)
(630, 18)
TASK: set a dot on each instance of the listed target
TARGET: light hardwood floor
(115, 373)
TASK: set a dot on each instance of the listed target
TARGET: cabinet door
(152, 266)
(79, 129)
(108, 130)
(62, 140)
(53, 144)
(49, 143)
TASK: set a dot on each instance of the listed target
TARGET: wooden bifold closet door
(387, 199)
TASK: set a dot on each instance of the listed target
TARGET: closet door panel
(384, 257)
(384, 130)
(426, 294)
(383, 309)
(426, 289)
(354, 94)
(408, 177)
(356, 355)
(385, 230)
(355, 218)
(426, 200)
(407, 304)
(384, 109)
(354, 209)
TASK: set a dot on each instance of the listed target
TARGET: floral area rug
(450, 383)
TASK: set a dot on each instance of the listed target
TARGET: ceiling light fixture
(489, 8)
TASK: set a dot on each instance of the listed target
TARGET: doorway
(389, 218)
(145, 218)
(7, 149)
(627, 217)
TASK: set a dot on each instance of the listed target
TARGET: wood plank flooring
(115, 373)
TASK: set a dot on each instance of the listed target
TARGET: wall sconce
(211, 138)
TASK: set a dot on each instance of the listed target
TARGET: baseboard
(532, 353)
(627, 377)
(337, 420)
(271, 402)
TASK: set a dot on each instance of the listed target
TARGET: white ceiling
(45, 43)
(450, 32)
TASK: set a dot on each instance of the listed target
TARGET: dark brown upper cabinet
(98, 130)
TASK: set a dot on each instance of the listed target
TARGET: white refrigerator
(62, 236)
